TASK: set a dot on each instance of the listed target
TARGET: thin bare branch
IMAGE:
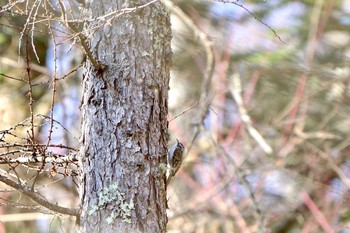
(70, 158)
(235, 2)
(32, 194)
(235, 88)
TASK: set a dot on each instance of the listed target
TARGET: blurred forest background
(271, 153)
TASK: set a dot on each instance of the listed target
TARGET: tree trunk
(124, 119)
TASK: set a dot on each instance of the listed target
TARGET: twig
(252, 14)
(39, 199)
(30, 92)
(8, 145)
(342, 176)
(319, 216)
(186, 110)
(38, 159)
(235, 89)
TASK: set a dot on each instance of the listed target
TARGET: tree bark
(124, 119)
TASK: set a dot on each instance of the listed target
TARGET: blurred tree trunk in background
(124, 120)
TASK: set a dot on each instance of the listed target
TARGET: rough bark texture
(124, 124)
